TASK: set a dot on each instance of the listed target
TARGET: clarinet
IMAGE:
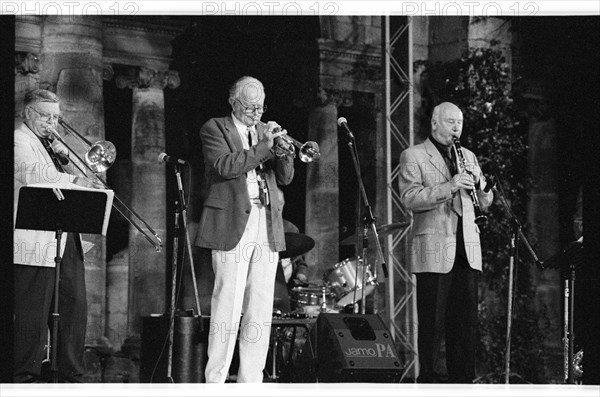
(480, 219)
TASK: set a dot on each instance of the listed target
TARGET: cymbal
(391, 228)
(382, 231)
(296, 244)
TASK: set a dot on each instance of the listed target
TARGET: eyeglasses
(252, 109)
(46, 116)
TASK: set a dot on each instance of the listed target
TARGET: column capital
(147, 78)
(107, 72)
(337, 97)
(26, 62)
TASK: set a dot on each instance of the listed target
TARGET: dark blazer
(227, 205)
(424, 191)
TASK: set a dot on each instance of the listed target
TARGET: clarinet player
(444, 252)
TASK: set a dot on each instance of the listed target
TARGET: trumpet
(480, 219)
(308, 151)
(98, 158)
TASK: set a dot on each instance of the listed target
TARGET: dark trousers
(34, 296)
(447, 307)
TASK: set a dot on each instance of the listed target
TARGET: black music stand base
(55, 312)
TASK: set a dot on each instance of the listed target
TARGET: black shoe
(71, 379)
(29, 379)
(432, 378)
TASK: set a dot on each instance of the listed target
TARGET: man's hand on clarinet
(462, 180)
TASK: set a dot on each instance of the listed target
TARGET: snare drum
(310, 299)
(343, 279)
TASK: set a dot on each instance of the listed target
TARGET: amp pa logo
(378, 350)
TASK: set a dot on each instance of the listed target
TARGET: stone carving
(107, 72)
(26, 63)
(146, 78)
(326, 96)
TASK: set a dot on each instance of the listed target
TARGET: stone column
(147, 268)
(322, 195)
(71, 65)
(542, 211)
(26, 77)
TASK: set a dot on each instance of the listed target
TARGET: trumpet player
(242, 224)
(40, 159)
(444, 247)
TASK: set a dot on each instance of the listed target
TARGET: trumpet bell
(309, 152)
(101, 156)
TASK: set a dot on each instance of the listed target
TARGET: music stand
(62, 208)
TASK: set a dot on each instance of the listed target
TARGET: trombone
(98, 158)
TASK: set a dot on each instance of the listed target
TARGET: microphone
(164, 158)
(343, 122)
(490, 184)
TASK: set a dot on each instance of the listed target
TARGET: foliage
(480, 83)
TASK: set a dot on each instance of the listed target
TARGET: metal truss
(399, 120)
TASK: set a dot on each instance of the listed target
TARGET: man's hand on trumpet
(273, 131)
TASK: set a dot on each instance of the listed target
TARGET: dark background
(215, 51)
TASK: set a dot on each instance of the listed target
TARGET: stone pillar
(147, 268)
(322, 182)
(542, 212)
(26, 77)
(349, 81)
(71, 65)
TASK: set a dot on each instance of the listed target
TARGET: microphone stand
(368, 222)
(517, 234)
(180, 214)
(571, 255)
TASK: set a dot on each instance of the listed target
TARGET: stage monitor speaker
(189, 349)
(349, 348)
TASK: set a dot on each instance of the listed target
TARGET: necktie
(450, 161)
(53, 156)
(263, 190)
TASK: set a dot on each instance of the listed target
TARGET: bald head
(248, 90)
(446, 123)
(247, 99)
(443, 107)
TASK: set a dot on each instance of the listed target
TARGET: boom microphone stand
(517, 235)
(369, 219)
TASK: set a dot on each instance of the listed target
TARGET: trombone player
(242, 224)
(41, 159)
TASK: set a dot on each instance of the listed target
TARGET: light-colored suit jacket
(425, 190)
(227, 204)
(32, 164)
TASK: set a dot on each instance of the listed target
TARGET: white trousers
(244, 283)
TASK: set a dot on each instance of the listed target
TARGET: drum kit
(342, 286)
